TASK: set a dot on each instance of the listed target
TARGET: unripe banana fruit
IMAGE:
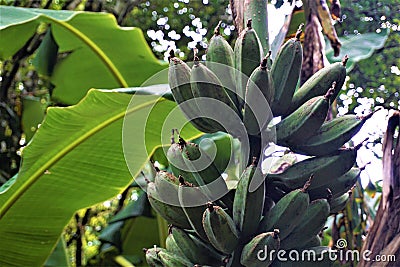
(339, 203)
(192, 248)
(286, 73)
(248, 203)
(220, 229)
(259, 93)
(179, 82)
(220, 60)
(261, 250)
(167, 186)
(206, 85)
(201, 165)
(337, 186)
(323, 169)
(315, 241)
(286, 213)
(319, 83)
(172, 260)
(152, 258)
(178, 165)
(331, 136)
(172, 214)
(304, 121)
(248, 55)
(309, 226)
(193, 202)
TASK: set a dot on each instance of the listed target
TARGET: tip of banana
(249, 23)
(181, 180)
(307, 184)
(357, 147)
(195, 57)
(331, 91)
(276, 233)
(368, 116)
(329, 195)
(171, 54)
(182, 143)
(344, 60)
(264, 61)
(299, 31)
(217, 29)
(365, 166)
(254, 161)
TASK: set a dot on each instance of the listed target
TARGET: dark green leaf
(358, 47)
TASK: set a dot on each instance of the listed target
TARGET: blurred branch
(70, 4)
(123, 8)
(48, 4)
(94, 5)
(8, 75)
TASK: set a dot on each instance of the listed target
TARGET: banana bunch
(242, 88)
(227, 92)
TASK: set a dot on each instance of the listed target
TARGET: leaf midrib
(103, 57)
(36, 175)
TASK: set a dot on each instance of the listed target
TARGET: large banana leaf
(358, 47)
(97, 52)
(77, 159)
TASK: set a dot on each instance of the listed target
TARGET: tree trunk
(383, 238)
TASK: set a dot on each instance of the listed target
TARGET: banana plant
(284, 211)
(69, 143)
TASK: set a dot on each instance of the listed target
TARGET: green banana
(319, 83)
(309, 257)
(248, 203)
(178, 164)
(197, 161)
(331, 136)
(193, 249)
(179, 82)
(259, 90)
(220, 60)
(203, 169)
(248, 55)
(309, 226)
(304, 121)
(152, 258)
(337, 186)
(286, 213)
(172, 260)
(323, 169)
(261, 250)
(339, 203)
(172, 246)
(315, 241)
(204, 83)
(167, 186)
(285, 73)
(172, 214)
(220, 229)
(193, 203)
